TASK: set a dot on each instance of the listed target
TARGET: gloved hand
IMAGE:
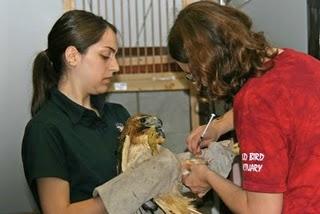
(220, 156)
(125, 193)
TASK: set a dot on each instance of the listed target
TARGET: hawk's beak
(155, 122)
(160, 132)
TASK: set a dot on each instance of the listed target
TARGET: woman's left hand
(196, 177)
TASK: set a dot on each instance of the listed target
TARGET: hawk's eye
(142, 120)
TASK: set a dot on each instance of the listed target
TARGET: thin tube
(98, 7)
(160, 36)
(174, 9)
(106, 9)
(122, 37)
(152, 34)
(90, 5)
(130, 37)
(145, 36)
(167, 15)
(137, 34)
(113, 12)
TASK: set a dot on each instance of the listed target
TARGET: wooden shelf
(167, 81)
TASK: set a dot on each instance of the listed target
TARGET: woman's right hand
(216, 128)
(196, 177)
(194, 141)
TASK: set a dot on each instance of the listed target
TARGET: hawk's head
(140, 139)
(141, 125)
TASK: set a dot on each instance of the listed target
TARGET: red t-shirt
(277, 121)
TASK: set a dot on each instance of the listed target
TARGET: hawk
(141, 138)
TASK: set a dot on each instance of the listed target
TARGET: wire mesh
(143, 28)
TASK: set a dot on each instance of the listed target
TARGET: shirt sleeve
(263, 143)
(42, 153)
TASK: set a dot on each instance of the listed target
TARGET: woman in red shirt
(276, 110)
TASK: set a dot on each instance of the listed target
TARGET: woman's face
(98, 64)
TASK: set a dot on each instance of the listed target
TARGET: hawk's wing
(134, 154)
(125, 153)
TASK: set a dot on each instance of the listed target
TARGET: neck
(74, 93)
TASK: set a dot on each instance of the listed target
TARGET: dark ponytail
(77, 28)
(43, 77)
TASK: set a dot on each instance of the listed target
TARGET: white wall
(284, 22)
(24, 27)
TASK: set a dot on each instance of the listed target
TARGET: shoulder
(116, 108)
(51, 115)
(291, 69)
(45, 125)
(269, 95)
(39, 131)
(264, 97)
(296, 62)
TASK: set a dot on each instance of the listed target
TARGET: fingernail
(185, 172)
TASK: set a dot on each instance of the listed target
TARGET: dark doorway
(314, 28)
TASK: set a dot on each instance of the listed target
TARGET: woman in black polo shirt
(69, 147)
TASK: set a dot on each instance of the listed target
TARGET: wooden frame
(162, 81)
(167, 81)
(68, 5)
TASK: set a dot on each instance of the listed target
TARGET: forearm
(54, 195)
(90, 206)
(232, 195)
(224, 124)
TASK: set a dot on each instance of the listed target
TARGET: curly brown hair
(219, 46)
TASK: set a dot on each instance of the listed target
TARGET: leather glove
(125, 193)
(220, 156)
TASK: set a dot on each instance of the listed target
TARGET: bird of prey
(141, 139)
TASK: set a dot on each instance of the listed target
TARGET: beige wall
(284, 22)
(24, 27)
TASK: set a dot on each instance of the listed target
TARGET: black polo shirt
(68, 141)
